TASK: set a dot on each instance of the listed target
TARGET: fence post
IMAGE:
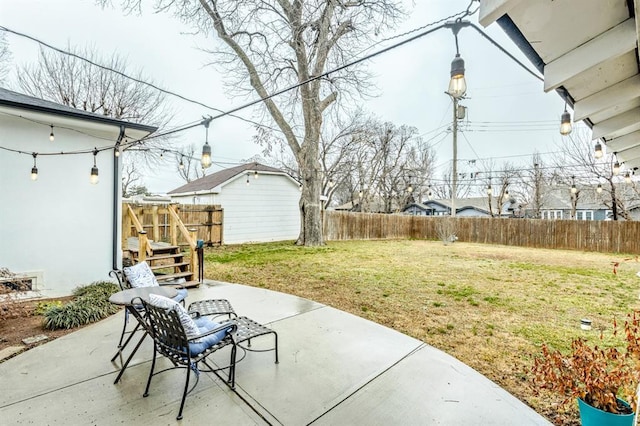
(126, 227)
(142, 246)
(194, 254)
(173, 229)
(154, 222)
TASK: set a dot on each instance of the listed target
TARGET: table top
(124, 297)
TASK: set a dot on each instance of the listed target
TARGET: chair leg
(184, 394)
(124, 327)
(153, 366)
(232, 367)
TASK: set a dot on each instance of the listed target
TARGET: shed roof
(207, 183)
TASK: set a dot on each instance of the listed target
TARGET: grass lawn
(489, 306)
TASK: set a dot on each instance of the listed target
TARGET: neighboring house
(589, 206)
(465, 207)
(60, 231)
(260, 203)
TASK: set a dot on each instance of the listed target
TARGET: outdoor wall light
(598, 150)
(457, 84)
(565, 122)
(34, 169)
(93, 178)
(205, 159)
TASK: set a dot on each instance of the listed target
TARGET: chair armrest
(224, 326)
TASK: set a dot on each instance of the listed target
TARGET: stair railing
(190, 236)
(144, 248)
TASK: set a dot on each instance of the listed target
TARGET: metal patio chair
(171, 340)
(211, 307)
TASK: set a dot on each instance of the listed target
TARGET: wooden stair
(167, 263)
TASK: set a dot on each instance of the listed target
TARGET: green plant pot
(591, 416)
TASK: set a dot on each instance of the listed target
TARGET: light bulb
(599, 188)
(457, 84)
(598, 150)
(616, 168)
(34, 173)
(206, 155)
(94, 175)
(565, 123)
(51, 136)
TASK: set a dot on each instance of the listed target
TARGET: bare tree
(270, 45)
(188, 165)
(131, 178)
(578, 151)
(534, 182)
(5, 56)
(71, 81)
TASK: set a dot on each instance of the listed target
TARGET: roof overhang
(588, 53)
(50, 113)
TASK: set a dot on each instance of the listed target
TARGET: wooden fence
(156, 221)
(600, 236)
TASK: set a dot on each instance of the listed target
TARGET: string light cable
(206, 121)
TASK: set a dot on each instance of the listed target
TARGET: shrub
(43, 307)
(91, 304)
(596, 374)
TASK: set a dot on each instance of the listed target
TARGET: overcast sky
(510, 115)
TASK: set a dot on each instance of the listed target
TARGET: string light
(489, 190)
(34, 169)
(599, 188)
(51, 136)
(205, 159)
(616, 166)
(116, 151)
(565, 122)
(247, 179)
(598, 150)
(573, 185)
(94, 170)
(627, 177)
(181, 165)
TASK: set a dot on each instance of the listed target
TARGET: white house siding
(59, 226)
(265, 210)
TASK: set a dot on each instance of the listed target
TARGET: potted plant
(603, 379)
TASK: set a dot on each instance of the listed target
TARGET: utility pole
(454, 181)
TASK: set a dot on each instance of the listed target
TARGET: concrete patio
(335, 369)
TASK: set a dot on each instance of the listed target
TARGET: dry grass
(489, 306)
